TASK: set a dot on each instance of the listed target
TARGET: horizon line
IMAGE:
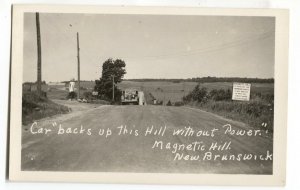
(125, 79)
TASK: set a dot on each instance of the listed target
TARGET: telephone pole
(78, 66)
(183, 88)
(39, 55)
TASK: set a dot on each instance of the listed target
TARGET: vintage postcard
(148, 95)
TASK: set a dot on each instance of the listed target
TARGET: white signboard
(95, 93)
(241, 91)
(71, 86)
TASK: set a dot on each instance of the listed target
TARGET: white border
(281, 58)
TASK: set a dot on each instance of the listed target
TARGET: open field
(164, 91)
(255, 112)
(57, 93)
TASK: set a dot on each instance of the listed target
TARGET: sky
(152, 46)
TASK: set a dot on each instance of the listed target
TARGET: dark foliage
(169, 103)
(260, 108)
(211, 79)
(178, 104)
(104, 86)
(72, 95)
(219, 95)
(88, 95)
(199, 95)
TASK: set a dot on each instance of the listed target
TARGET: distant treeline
(32, 83)
(80, 81)
(209, 79)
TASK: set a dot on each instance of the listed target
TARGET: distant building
(56, 84)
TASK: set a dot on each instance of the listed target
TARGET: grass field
(254, 112)
(165, 91)
(35, 107)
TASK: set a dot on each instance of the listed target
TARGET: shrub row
(203, 95)
(260, 108)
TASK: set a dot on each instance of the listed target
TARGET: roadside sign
(95, 93)
(71, 86)
(241, 91)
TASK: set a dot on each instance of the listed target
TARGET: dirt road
(74, 142)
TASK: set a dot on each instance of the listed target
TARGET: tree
(198, 94)
(104, 86)
(169, 103)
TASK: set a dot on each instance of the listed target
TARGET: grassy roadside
(35, 107)
(258, 112)
(254, 112)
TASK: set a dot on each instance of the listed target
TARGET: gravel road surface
(71, 142)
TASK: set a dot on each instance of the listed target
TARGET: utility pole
(183, 88)
(164, 102)
(39, 55)
(78, 66)
(113, 87)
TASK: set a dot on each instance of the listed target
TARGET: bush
(254, 112)
(34, 97)
(199, 95)
(36, 107)
(169, 103)
(72, 95)
(178, 104)
(260, 109)
(219, 95)
(88, 95)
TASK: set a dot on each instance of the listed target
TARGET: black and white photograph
(149, 93)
